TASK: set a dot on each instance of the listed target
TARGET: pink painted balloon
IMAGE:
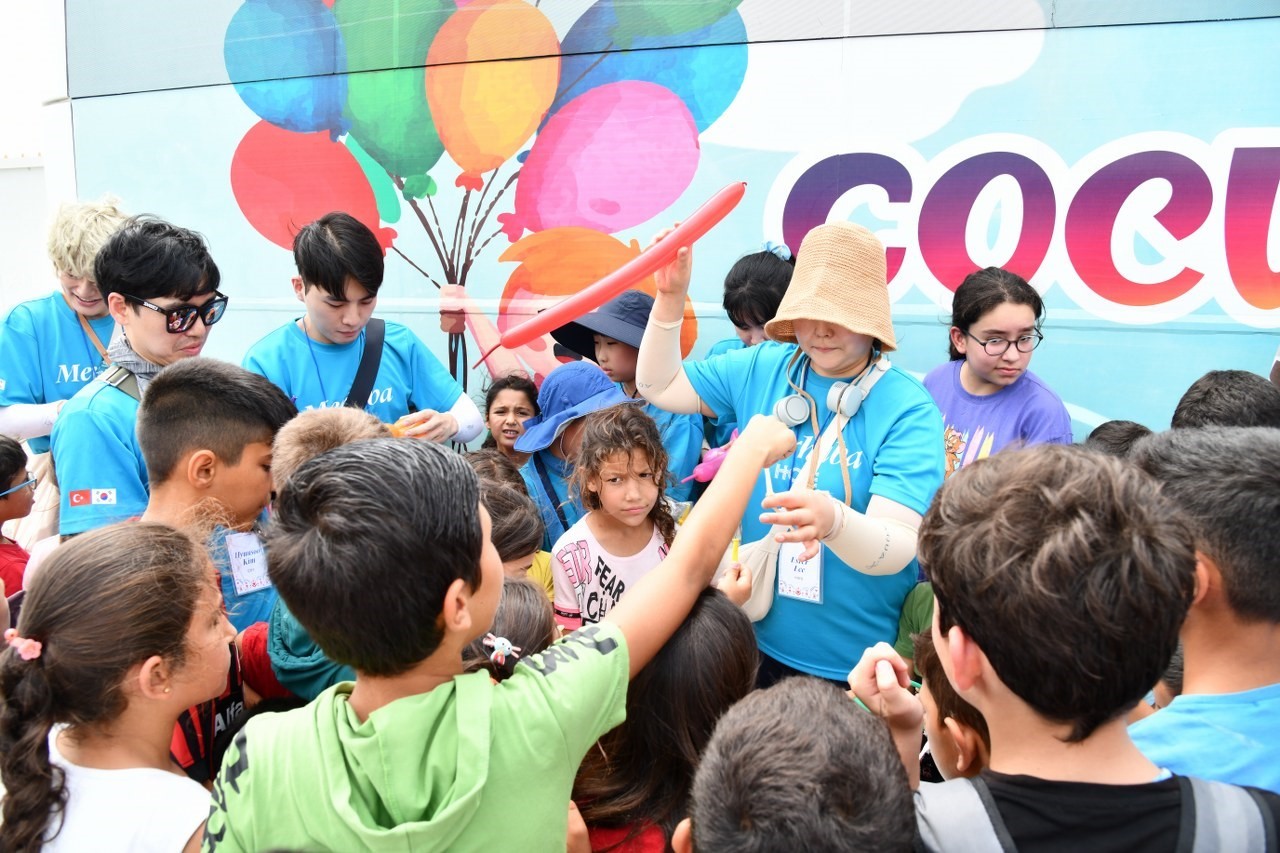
(612, 158)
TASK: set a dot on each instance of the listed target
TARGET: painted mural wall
(508, 153)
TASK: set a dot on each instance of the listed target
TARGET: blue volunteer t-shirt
(101, 472)
(719, 430)
(46, 356)
(1227, 737)
(319, 375)
(682, 439)
(894, 447)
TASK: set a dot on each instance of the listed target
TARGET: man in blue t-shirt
(51, 347)
(316, 358)
(1222, 726)
(161, 288)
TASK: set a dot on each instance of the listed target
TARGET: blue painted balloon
(706, 78)
(286, 60)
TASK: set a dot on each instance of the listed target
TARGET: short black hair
(335, 247)
(1226, 480)
(205, 403)
(365, 542)
(798, 766)
(149, 258)
(1069, 570)
(1116, 438)
(12, 460)
(1229, 398)
(754, 288)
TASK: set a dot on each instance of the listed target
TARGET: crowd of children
(284, 613)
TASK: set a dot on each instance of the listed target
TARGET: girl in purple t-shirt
(988, 397)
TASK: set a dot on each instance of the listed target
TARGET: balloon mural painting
(561, 148)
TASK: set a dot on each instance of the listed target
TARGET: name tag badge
(799, 579)
(248, 562)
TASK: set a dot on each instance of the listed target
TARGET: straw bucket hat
(840, 278)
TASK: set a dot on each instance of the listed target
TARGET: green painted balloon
(384, 189)
(663, 18)
(387, 43)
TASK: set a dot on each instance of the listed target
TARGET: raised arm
(652, 610)
(660, 376)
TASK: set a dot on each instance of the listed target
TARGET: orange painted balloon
(484, 104)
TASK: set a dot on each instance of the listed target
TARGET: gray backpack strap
(117, 377)
(960, 816)
(1228, 817)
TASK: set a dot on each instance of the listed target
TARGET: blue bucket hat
(622, 318)
(568, 393)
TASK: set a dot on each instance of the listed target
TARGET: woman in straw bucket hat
(848, 513)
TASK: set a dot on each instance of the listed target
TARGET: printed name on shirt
(92, 497)
(377, 397)
(76, 373)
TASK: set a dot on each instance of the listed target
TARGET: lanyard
(551, 493)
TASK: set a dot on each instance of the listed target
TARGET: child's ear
(153, 678)
(682, 838)
(971, 751)
(1208, 577)
(299, 289)
(959, 339)
(202, 468)
(966, 659)
(455, 613)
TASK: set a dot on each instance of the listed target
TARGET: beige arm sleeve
(660, 376)
(880, 542)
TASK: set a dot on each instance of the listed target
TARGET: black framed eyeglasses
(183, 317)
(999, 346)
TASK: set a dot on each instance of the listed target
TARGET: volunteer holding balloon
(850, 511)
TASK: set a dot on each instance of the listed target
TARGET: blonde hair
(316, 431)
(79, 230)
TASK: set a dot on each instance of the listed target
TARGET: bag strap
(1225, 817)
(960, 816)
(92, 337)
(374, 334)
(118, 377)
(551, 492)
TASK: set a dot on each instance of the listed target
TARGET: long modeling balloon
(647, 263)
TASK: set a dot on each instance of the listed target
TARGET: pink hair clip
(28, 649)
(502, 649)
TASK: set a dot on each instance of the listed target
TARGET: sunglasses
(183, 317)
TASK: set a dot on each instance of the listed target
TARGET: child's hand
(810, 516)
(735, 583)
(427, 424)
(766, 431)
(673, 279)
(578, 841)
(881, 681)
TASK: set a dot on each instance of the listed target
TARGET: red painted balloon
(645, 264)
(283, 180)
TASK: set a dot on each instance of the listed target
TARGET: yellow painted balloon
(484, 104)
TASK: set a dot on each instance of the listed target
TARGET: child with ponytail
(122, 630)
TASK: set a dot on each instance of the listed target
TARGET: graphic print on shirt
(597, 586)
(795, 468)
(961, 449)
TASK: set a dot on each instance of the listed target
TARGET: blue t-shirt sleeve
(722, 381)
(433, 387)
(682, 438)
(101, 472)
(909, 463)
(19, 360)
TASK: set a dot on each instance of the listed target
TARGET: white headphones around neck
(844, 398)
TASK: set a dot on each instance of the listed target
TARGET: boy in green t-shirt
(381, 549)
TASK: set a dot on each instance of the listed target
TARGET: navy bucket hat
(568, 393)
(622, 318)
